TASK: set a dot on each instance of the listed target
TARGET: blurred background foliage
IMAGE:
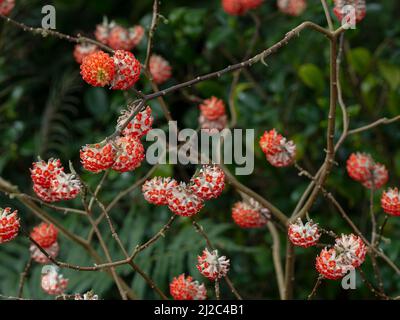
(47, 110)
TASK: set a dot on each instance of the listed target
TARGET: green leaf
(360, 60)
(96, 101)
(312, 76)
(390, 73)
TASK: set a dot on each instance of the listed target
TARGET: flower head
(98, 69)
(6, 6)
(42, 172)
(97, 157)
(53, 282)
(303, 235)
(390, 201)
(249, 214)
(341, 9)
(9, 224)
(185, 288)
(127, 70)
(183, 201)
(129, 154)
(329, 265)
(160, 69)
(292, 7)
(208, 183)
(139, 126)
(351, 249)
(45, 234)
(211, 265)
(212, 108)
(158, 190)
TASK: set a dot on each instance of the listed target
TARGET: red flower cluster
(6, 6)
(51, 183)
(53, 282)
(347, 254)
(185, 288)
(279, 151)
(211, 265)
(118, 37)
(126, 153)
(240, 7)
(212, 114)
(303, 235)
(121, 71)
(390, 201)
(362, 168)
(345, 8)
(292, 7)
(46, 236)
(9, 224)
(185, 200)
(250, 214)
(160, 69)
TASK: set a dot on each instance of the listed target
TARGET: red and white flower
(160, 69)
(286, 156)
(212, 108)
(127, 70)
(270, 142)
(379, 177)
(97, 157)
(6, 6)
(329, 264)
(65, 186)
(362, 168)
(118, 37)
(45, 234)
(279, 151)
(390, 201)
(40, 257)
(249, 214)
(208, 183)
(129, 154)
(139, 126)
(42, 172)
(184, 202)
(185, 288)
(359, 166)
(303, 235)
(9, 224)
(158, 190)
(358, 7)
(351, 250)
(53, 282)
(211, 265)
(292, 7)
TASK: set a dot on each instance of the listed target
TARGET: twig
(48, 32)
(23, 277)
(152, 30)
(316, 286)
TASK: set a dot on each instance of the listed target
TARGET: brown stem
(23, 277)
(316, 286)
